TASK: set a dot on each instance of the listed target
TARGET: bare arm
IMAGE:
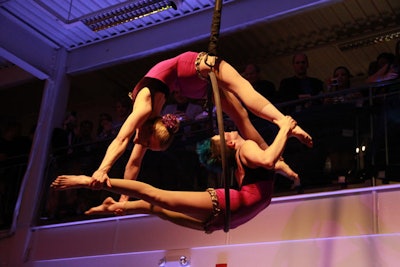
(133, 166)
(142, 110)
(253, 156)
(387, 72)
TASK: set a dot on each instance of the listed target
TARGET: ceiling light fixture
(127, 12)
(386, 37)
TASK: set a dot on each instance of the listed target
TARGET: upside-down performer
(254, 172)
(187, 73)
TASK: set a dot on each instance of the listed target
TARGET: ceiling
(59, 20)
(332, 33)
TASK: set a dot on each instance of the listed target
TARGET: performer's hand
(123, 198)
(100, 178)
(286, 122)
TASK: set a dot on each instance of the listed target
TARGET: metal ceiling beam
(26, 48)
(181, 32)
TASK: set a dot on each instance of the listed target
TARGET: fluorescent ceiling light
(371, 40)
(127, 12)
(107, 16)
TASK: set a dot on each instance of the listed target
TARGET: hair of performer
(188, 73)
(254, 172)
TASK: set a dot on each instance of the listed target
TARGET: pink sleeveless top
(179, 74)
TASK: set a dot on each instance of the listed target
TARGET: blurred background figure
(14, 152)
(105, 129)
(181, 106)
(252, 73)
(383, 69)
(300, 85)
(123, 107)
(65, 137)
(341, 80)
(264, 87)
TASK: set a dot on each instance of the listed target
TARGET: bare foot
(282, 168)
(109, 206)
(65, 182)
(303, 137)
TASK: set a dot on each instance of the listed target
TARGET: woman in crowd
(254, 172)
(384, 68)
(341, 80)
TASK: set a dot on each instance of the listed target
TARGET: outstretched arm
(140, 113)
(387, 72)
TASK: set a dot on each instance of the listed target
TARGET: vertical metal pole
(212, 50)
(221, 132)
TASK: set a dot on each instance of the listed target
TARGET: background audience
(344, 127)
(341, 80)
(300, 85)
(383, 69)
(264, 87)
(123, 107)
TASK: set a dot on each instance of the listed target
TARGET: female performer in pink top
(188, 73)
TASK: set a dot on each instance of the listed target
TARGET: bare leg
(235, 110)
(229, 79)
(65, 182)
(110, 206)
(195, 204)
(282, 168)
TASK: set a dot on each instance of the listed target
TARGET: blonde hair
(164, 129)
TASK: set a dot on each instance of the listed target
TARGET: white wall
(343, 228)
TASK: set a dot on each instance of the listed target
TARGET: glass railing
(355, 134)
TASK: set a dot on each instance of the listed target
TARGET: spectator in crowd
(386, 111)
(182, 107)
(85, 147)
(123, 108)
(85, 133)
(264, 87)
(340, 141)
(267, 89)
(64, 138)
(64, 152)
(383, 69)
(105, 130)
(300, 86)
(187, 110)
(341, 80)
